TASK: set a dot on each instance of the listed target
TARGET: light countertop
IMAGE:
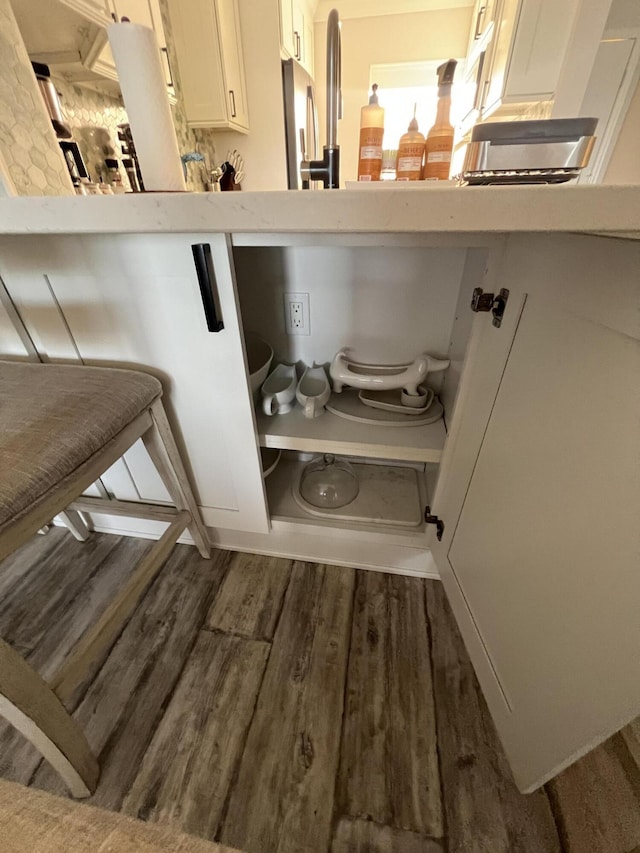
(611, 210)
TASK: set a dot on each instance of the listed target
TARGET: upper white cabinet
(74, 41)
(68, 35)
(147, 13)
(483, 14)
(208, 45)
(296, 31)
(523, 56)
(92, 10)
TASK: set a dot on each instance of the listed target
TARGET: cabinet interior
(388, 303)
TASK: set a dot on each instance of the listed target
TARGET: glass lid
(329, 483)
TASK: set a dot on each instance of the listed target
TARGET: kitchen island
(529, 478)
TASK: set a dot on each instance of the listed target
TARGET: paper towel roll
(137, 57)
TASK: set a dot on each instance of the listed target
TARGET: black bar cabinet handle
(207, 282)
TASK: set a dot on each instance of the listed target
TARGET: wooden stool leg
(164, 453)
(29, 704)
(74, 523)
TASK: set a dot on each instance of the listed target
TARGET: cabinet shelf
(332, 434)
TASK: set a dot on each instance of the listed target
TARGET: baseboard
(357, 553)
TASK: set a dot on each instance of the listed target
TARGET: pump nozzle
(413, 124)
(373, 97)
(446, 71)
(445, 74)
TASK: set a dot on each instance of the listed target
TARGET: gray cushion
(54, 417)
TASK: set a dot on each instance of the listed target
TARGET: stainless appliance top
(541, 151)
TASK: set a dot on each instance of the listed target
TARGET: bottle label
(439, 157)
(370, 151)
(364, 178)
(410, 164)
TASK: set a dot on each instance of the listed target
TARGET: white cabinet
(296, 31)
(525, 55)
(483, 15)
(97, 11)
(287, 29)
(73, 37)
(134, 301)
(208, 45)
(537, 493)
(148, 14)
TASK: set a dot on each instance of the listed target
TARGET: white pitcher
(279, 390)
(313, 391)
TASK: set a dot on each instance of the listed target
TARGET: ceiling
(372, 8)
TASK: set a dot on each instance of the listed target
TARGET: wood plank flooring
(284, 706)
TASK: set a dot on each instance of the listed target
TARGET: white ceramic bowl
(259, 358)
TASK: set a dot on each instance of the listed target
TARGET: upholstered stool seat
(61, 428)
(54, 417)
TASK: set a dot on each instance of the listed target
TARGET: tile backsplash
(93, 118)
(28, 144)
(33, 161)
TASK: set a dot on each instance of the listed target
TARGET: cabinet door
(298, 31)
(147, 13)
(209, 50)
(498, 54)
(287, 37)
(540, 497)
(530, 42)
(134, 301)
(233, 62)
(308, 45)
(483, 15)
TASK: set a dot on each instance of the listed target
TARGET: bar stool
(61, 427)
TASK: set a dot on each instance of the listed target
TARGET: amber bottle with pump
(439, 144)
(410, 152)
(371, 133)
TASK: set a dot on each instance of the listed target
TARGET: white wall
(407, 37)
(263, 148)
(389, 304)
(624, 166)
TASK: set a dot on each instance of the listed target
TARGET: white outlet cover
(305, 327)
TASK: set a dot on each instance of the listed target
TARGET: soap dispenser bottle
(371, 133)
(410, 153)
(439, 144)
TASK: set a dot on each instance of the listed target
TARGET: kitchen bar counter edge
(613, 210)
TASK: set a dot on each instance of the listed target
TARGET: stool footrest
(130, 509)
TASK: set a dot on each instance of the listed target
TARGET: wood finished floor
(283, 706)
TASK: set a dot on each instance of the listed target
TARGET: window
(403, 84)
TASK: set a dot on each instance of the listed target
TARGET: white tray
(388, 495)
(348, 405)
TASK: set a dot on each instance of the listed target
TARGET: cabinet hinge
(482, 301)
(433, 519)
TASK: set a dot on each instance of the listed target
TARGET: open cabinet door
(540, 499)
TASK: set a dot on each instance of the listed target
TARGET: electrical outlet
(296, 313)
